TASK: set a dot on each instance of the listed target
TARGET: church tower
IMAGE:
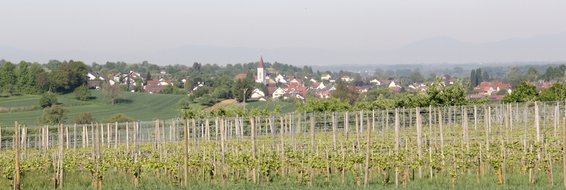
(260, 78)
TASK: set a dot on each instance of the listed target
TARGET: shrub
(47, 100)
(53, 115)
(82, 93)
(120, 118)
(85, 118)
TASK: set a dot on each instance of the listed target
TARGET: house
(347, 79)
(489, 88)
(280, 79)
(123, 78)
(418, 87)
(323, 94)
(542, 85)
(362, 89)
(325, 77)
(375, 81)
(258, 94)
(394, 86)
(279, 92)
(156, 86)
(318, 86)
(95, 76)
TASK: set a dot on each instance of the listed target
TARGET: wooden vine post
(17, 177)
(368, 152)
(222, 148)
(254, 156)
(537, 122)
(0, 137)
(334, 131)
(441, 129)
(60, 157)
(397, 139)
(186, 153)
(564, 151)
(313, 147)
(419, 139)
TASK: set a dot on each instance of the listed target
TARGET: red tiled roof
(153, 83)
(485, 86)
(240, 76)
(271, 89)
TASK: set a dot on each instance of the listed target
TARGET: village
(283, 87)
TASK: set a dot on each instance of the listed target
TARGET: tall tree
(345, 92)
(111, 91)
(532, 74)
(242, 89)
(68, 76)
(441, 95)
(514, 76)
(8, 78)
(525, 92)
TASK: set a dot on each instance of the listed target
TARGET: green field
(139, 106)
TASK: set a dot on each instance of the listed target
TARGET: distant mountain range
(543, 48)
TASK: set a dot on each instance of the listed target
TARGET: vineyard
(485, 146)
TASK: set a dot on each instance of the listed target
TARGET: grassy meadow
(140, 106)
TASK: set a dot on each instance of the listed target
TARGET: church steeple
(260, 78)
(260, 65)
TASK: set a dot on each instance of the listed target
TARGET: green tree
(25, 81)
(416, 76)
(40, 78)
(47, 100)
(68, 76)
(525, 92)
(379, 103)
(412, 101)
(85, 118)
(53, 115)
(514, 76)
(138, 85)
(324, 105)
(82, 93)
(242, 89)
(532, 74)
(441, 95)
(345, 92)
(112, 92)
(148, 76)
(185, 109)
(8, 78)
(169, 90)
(557, 92)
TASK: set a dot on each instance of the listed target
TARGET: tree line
(33, 78)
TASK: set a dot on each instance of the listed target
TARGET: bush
(184, 103)
(120, 118)
(85, 118)
(47, 100)
(82, 93)
(53, 115)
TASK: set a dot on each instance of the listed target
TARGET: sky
(136, 30)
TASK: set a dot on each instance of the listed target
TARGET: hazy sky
(127, 29)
